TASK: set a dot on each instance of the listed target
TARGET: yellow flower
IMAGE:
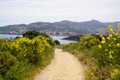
(110, 35)
(102, 42)
(103, 38)
(108, 38)
(117, 33)
(110, 28)
(114, 39)
(110, 54)
(101, 35)
(106, 49)
(100, 46)
(118, 25)
(118, 44)
(109, 45)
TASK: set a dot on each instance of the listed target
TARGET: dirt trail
(63, 67)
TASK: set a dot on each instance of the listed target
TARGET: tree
(31, 34)
(57, 42)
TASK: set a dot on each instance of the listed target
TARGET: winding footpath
(63, 67)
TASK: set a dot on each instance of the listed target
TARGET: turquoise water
(59, 38)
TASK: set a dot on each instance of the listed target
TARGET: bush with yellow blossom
(108, 52)
(29, 53)
(88, 41)
(102, 57)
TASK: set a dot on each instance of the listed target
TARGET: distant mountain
(60, 28)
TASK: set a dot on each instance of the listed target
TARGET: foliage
(19, 57)
(57, 42)
(108, 53)
(8, 64)
(88, 41)
(32, 34)
(101, 56)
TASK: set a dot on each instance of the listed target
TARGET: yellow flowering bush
(88, 41)
(108, 52)
(111, 43)
(101, 54)
(8, 63)
(28, 52)
(32, 50)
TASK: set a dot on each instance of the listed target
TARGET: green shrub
(21, 56)
(101, 56)
(57, 42)
(32, 34)
(88, 41)
(8, 66)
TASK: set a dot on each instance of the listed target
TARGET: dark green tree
(57, 42)
(31, 34)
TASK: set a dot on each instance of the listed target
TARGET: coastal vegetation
(22, 57)
(100, 55)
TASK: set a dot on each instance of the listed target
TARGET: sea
(59, 38)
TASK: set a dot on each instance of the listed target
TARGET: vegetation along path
(63, 67)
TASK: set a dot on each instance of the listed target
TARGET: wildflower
(108, 38)
(106, 50)
(100, 46)
(118, 25)
(102, 42)
(103, 38)
(116, 33)
(101, 35)
(114, 39)
(118, 44)
(110, 54)
(109, 45)
(110, 28)
(110, 35)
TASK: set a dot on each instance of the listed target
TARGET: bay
(59, 38)
(9, 36)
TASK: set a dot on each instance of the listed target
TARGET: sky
(28, 11)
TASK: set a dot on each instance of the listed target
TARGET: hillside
(60, 28)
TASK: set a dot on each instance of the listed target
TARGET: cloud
(24, 11)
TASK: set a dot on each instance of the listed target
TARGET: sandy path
(63, 67)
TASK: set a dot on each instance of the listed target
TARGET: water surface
(59, 38)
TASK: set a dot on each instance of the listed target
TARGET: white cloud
(25, 11)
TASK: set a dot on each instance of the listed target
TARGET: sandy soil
(63, 67)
